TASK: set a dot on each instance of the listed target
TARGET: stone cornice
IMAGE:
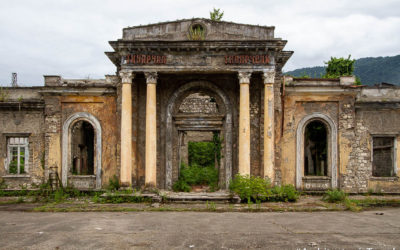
(94, 91)
(24, 105)
(320, 90)
(207, 45)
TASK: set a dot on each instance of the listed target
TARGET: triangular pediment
(211, 30)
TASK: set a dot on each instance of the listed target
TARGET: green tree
(216, 14)
(337, 67)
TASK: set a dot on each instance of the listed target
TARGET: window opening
(17, 155)
(383, 156)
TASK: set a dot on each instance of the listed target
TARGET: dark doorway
(82, 148)
(316, 149)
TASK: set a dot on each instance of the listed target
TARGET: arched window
(316, 149)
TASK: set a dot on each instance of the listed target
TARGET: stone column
(126, 128)
(244, 123)
(151, 130)
(269, 128)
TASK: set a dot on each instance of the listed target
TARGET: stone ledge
(393, 178)
(15, 176)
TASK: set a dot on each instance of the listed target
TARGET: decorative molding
(151, 77)
(126, 76)
(269, 77)
(244, 76)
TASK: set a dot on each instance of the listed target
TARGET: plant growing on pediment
(196, 32)
(216, 14)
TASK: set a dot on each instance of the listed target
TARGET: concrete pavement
(201, 230)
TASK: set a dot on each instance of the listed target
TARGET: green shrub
(250, 188)
(334, 195)
(284, 193)
(196, 175)
(257, 189)
(337, 67)
(113, 183)
(181, 186)
(201, 153)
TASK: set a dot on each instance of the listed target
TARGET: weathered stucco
(128, 111)
(104, 109)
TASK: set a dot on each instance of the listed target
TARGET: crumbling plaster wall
(104, 109)
(338, 107)
(21, 114)
(24, 123)
(373, 121)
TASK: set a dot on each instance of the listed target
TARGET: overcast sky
(69, 37)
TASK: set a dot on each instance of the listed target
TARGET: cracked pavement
(200, 230)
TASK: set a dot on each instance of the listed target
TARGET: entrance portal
(199, 157)
(199, 132)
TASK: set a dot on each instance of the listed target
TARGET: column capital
(269, 77)
(126, 75)
(151, 77)
(244, 76)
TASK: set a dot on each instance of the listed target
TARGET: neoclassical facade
(187, 81)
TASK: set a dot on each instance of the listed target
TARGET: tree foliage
(216, 14)
(337, 67)
(371, 70)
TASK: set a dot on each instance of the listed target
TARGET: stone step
(183, 197)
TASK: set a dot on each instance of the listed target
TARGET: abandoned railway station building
(190, 81)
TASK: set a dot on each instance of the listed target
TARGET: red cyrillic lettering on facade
(145, 59)
(247, 59)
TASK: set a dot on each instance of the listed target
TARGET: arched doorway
(316, 153)
(81, 151)
(197, 112)
(316, 149)
(82, 148)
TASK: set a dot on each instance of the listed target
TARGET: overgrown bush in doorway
(196, 175)
(202, 170)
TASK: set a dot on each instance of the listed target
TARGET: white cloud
(69, 37)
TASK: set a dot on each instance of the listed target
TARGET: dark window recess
(383, 152)
(316, 149)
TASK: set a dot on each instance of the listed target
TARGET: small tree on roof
(216, 15)
(337, 67)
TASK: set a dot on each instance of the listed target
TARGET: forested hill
(370, 70)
